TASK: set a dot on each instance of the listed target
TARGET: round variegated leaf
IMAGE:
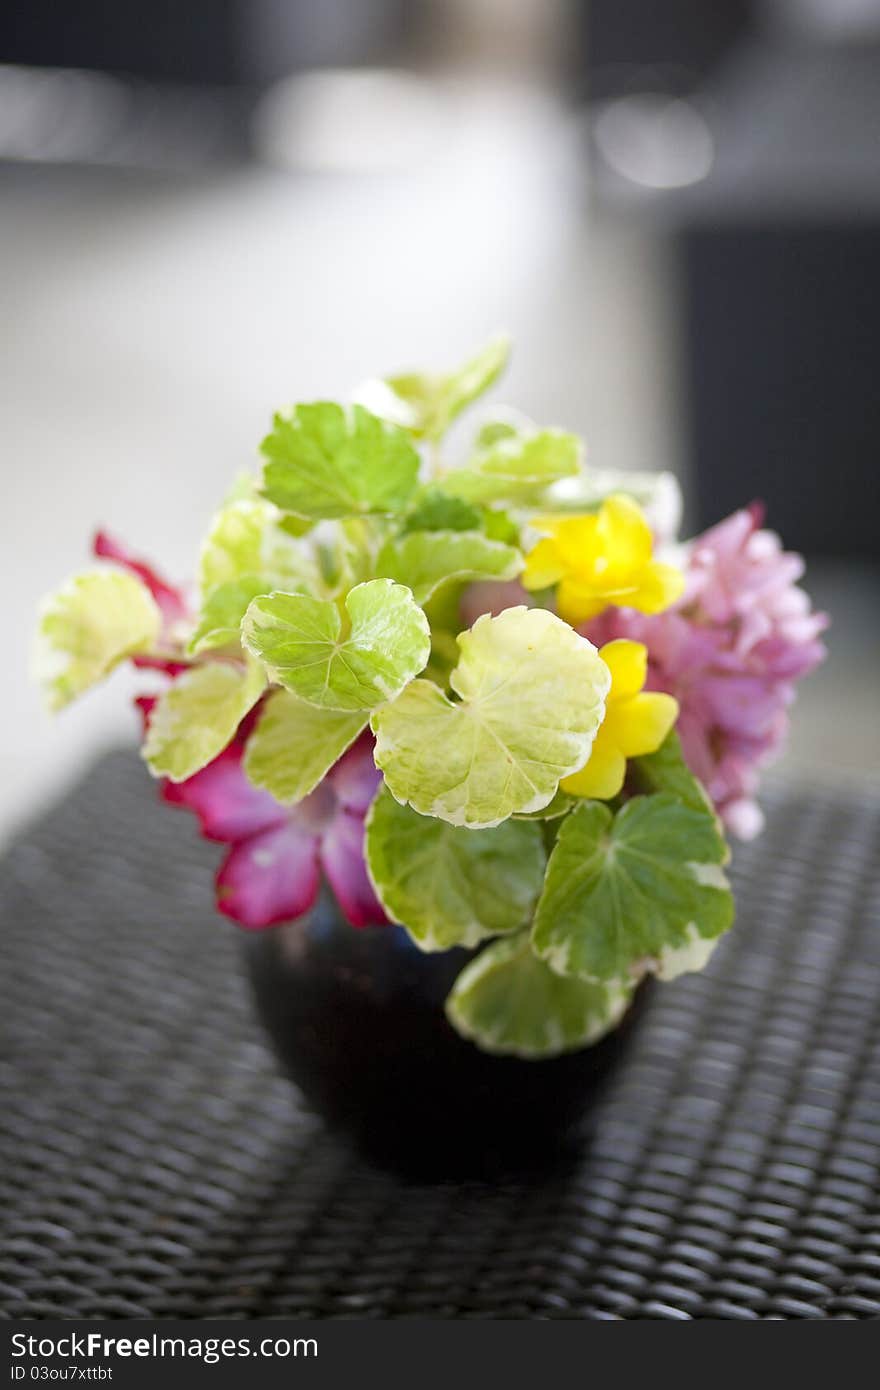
(323, 461)
(509, 1001)
(516, 468)
(196, 717)
(450, 886)
(424, 560)
(89, 626)
(531, 697)
(623, 892)
(304, 645)
(294, 744)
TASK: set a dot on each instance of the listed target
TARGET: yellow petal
(623, 534)
(602, 776)
(640, 725)
(628, 663)
(659, 587)
(577, 604)
(543, 566)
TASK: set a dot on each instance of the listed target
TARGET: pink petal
(145, 704)
(743, 818)
(170, 600)
(355, 778)
(229, 807)
(271, 878)
(342, 859)
(169, 666)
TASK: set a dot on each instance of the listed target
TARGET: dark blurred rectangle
(199, 41)
(782, 335)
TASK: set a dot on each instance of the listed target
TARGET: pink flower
(170, 601)
(730, 652)
(272, 872)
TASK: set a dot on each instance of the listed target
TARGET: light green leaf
(324, 461)
(87, 627)
(666, 771)
(426, 559)
(246, 541)
(517, 468)
(447, 885)
(196, 717)
(354, 666)
(623, 892)
(508, 1001)
(219, 623)
(431, 401)
(295, 744)
(500, 526)
(495, 430)
(435, 510)
(531, 699)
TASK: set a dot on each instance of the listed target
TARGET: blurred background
(207, 210)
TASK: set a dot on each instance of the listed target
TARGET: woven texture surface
(153, 1164)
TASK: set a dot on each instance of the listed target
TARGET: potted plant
(471, 734)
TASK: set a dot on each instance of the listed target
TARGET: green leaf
(630, 893)
(219, 623)
(516, 469)
(426, 559)
(666, 771)
(87, 627)
(435, 510)
(246, 542)
(493, 431)
(500, 526)
(295, 744)
(508, 1001)
(196, 717)
(431, 401)
(531, 699)
(447, 885)
(307, 648)
(326, 462)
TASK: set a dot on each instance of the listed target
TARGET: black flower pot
(357, 1020)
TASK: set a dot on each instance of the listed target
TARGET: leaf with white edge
(87, 627)
(307, 648)
(561, 804)
(426, 559)
(294, 744)
(246, 541)
(531, 697)
(429, 402)
(509, 1001)
(623, 892)
(666, 771)
(435, 510)
(196, 717)
(324, 461)
(219, 623)
(447, 885)
(516, 469)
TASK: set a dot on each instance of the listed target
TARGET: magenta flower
(272, 871)
(730, 651)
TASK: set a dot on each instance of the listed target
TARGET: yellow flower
(601, 559)
(636, 722)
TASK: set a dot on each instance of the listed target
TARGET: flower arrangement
(495, 702)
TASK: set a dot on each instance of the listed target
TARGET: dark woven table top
(153, 1164)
